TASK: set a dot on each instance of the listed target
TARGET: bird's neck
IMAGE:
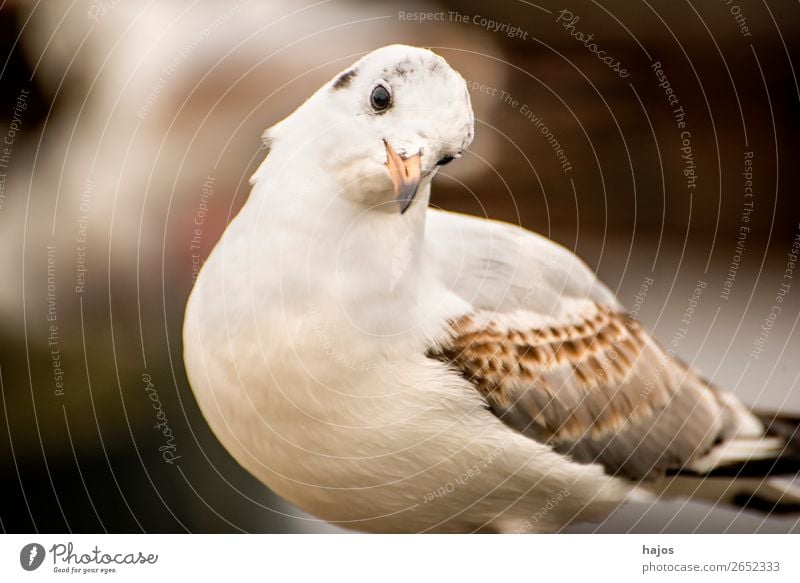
(367, 264)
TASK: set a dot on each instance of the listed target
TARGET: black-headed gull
(390, 367)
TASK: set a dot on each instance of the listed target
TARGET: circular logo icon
(31, 556)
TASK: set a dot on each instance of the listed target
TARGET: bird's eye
(445, 160)
(380, 98)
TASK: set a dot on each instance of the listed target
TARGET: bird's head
(385, 125)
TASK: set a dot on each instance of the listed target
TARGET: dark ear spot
(435, 66)
(344, 79)
(404, 68)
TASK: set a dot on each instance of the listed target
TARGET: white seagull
(389, 367)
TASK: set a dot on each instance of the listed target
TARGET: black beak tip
(405, 199)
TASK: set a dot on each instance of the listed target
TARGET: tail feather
(775, 453)
(746, 471)
(767, 495)
(783, 426)
(746, 457)
(771, 496)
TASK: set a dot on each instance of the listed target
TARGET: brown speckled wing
(596, 388)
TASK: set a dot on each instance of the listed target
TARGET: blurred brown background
(126, 126)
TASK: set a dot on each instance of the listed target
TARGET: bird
(389, 367)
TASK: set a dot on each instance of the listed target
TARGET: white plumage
(417, 370)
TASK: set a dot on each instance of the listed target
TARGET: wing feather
(556, 357)
(597, 388)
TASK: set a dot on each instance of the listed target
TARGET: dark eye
(445, 160)
(380, 98)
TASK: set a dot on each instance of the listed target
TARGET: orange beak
(405, 174)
